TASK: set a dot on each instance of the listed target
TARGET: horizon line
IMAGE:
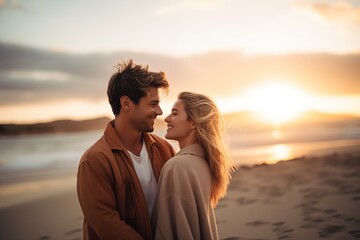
(110, 116)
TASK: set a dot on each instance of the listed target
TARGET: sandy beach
(305, 198)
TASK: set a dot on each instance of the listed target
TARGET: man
(117, 176)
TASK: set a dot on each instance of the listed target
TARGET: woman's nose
(167, 119)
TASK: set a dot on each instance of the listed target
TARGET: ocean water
(62, 151)
(273, 145)
(36, 166)
(44, 151)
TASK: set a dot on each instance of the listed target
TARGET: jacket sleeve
(174, 216)
(97, 198)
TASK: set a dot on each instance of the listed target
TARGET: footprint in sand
(346, 218)
(221, 205)
(331, 230)
(243, 201)
(349, 189)
(316, 196)
(330, 211)
(282, 231)
(351, 175)
(257, 223)
(75, 234)
(318, 220)
(73, 231)
(277, 224)
(44, 238)
(356, 198)
(311, 210)
(273, 191)
(355, 233)
(283, 237)
(339, 216)
(308, 225)
(240, 238)
(350, 219)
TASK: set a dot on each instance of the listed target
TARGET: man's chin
(149, 129)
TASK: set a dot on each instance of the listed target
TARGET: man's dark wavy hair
(133, 81)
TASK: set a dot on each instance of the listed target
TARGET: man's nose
(158, 110)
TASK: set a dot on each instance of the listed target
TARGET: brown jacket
(110, 192)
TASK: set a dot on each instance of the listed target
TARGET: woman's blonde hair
(210, 124)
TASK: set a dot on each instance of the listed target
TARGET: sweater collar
(115, 143)
(193, 149)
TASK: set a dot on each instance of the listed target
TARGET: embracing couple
(132, 185)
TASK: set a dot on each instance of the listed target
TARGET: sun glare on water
(277, 103)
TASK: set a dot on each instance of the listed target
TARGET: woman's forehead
(179, 104)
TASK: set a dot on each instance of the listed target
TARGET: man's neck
(129, 137)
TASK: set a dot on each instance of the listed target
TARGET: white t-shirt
(146, 175)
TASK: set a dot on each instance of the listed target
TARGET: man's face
(144, 114)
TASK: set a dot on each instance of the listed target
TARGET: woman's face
(179, 127)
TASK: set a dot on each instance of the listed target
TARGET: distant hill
(316, 117)
(251, 119)
(54, 127)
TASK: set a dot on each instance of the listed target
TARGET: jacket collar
(115, 143)
(193, 149)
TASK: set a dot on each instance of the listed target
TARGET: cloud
(39, 75)
(12, 4)
(33, 75)
(186, 5)
(30, 75)
(341, 11)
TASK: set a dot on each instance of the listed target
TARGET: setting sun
(277, 103)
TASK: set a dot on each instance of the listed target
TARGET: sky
(278, 57)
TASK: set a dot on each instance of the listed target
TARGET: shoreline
(254, 155)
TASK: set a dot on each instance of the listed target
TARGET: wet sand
(53, 217)
(307, 198)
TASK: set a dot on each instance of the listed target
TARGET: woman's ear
(193, 125)
(125, 103)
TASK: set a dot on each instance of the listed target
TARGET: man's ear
(125, 103)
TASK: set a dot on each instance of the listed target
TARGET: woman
(193, 181)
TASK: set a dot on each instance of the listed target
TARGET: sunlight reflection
(279, 152)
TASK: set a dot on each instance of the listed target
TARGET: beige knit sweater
(182, 208)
